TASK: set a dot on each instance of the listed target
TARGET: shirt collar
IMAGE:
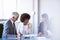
(12, 21)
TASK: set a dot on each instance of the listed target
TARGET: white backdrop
(21, 6)
(52, 8)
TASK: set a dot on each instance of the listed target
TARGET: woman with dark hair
(24, 27)
(25, 18)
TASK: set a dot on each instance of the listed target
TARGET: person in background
(9, 26)
(43, 26)
(25, 27)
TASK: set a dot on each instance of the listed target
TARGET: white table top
(28, 37)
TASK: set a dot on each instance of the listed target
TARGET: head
(15, 16)
(45, 17)
(25, 18)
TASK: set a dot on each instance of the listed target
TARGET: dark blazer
(40, 27)
(9, 29)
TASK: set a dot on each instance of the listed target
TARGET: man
(9, 26)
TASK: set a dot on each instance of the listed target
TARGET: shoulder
(29, 25)
(40, 23)
(6, 22)
(20, 24)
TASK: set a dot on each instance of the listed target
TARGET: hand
(40, 34)
(19, 35)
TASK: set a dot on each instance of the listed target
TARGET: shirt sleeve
(20, 28)
(5, 30)
(30, 27)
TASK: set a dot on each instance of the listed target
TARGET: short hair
(45, 16)
(24, 16)
(15, 14)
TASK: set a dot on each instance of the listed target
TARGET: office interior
(35, 8)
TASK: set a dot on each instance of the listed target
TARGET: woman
(24, 27)
(43, 29)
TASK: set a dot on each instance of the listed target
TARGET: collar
(11, 21)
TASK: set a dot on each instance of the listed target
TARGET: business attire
(24, 29)
(44, 29)
(40, 27)
(9, 28)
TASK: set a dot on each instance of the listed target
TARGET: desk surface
(26, 38)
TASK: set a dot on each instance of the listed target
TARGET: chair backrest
(1, 30)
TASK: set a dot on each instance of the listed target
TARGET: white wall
(52, 8)
(21, 6)
(35, 20)
(1, 9)
(31, 7)
(8, 6)
(25, 6)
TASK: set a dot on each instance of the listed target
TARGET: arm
(5, 30)
(40, 29)
(29, 28)
(19, 31)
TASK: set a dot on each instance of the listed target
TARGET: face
(26, 21)
(44, 19)
(15, 18)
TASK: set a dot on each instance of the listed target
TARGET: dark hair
(24, 16)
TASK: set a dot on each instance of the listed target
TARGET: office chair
(1, 30)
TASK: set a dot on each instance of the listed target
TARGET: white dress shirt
(23, 29)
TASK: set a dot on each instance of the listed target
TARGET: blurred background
(35, 8)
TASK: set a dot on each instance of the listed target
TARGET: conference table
(26, 37)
